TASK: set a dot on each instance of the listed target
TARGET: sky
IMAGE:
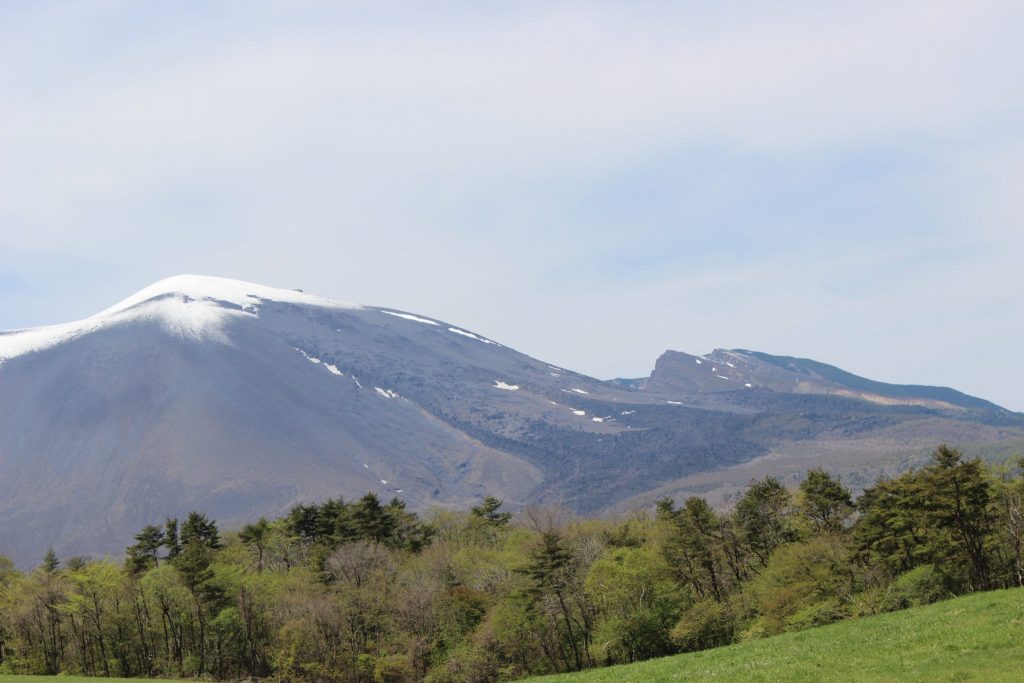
(591, 183)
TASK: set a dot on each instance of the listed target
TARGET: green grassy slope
(975, 638)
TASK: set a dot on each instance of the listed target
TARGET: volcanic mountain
(241, 400)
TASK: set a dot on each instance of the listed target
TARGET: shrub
(818, 614)
(920, 586)
(704, 625)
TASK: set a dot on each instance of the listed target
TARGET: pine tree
(695, 549)
(488, 512)
(938, 515)
(50, 561)
(143, 554)
(762, 516)
(958, 501)
(255, 536)
(824, 502)
(371, 520)
(198, 528)
(551, 570)
(171, 541)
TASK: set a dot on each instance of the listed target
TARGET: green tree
(693, 548)
(171, 540)
(959, 500)
(553, 573)
(939, 515)
(824, 502)
(50, 561)
(804, 584)
(762, 517)
(255, 536)
(489, 512)
(198, 528)
(371, 520)
(193, 564)
(143, 554)
(1008, 498)
(637, 603)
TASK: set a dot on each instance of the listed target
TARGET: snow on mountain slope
(189, 306)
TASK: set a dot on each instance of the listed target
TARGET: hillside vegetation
(368, 592)
(974, 638)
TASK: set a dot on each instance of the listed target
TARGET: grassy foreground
(974, 638)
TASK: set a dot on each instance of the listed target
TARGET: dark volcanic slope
(241, 400)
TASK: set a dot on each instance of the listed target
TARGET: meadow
(973, 638)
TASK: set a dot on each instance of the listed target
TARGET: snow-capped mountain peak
(189, 306)
(245, 295)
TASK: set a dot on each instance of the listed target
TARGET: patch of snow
(470, 335)
(580, 391)
(699, 362)
(597, 419)
(386, 393)
(627, 412)
(312, 359)
(366, 466)
(554, 374)
(748, 385)
(308, 357)
(399, 490)
(552, 402)
(730, 364)
(498, 384)
(410, 316)
(384, 481)
(674, 403)
(579, 412)
(356, 380)
(720, 377)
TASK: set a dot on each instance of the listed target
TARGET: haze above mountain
(241, 400)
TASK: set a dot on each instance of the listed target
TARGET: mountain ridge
(241, 400)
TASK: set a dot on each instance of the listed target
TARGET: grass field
(975, 638)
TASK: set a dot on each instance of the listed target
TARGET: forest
(368, 591)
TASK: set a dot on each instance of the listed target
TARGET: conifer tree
(824, 502)
(762, 516)
(171, 541)
(200, 529)
(50, 561)
(488, 511)
(255, 536)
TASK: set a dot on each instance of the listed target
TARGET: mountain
(241, 400)
(677, 371)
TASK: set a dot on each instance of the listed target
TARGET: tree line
(367, 591)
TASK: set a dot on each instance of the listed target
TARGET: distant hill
(974, 638)
(242, 400)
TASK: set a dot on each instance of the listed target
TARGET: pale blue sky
(591, 183)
